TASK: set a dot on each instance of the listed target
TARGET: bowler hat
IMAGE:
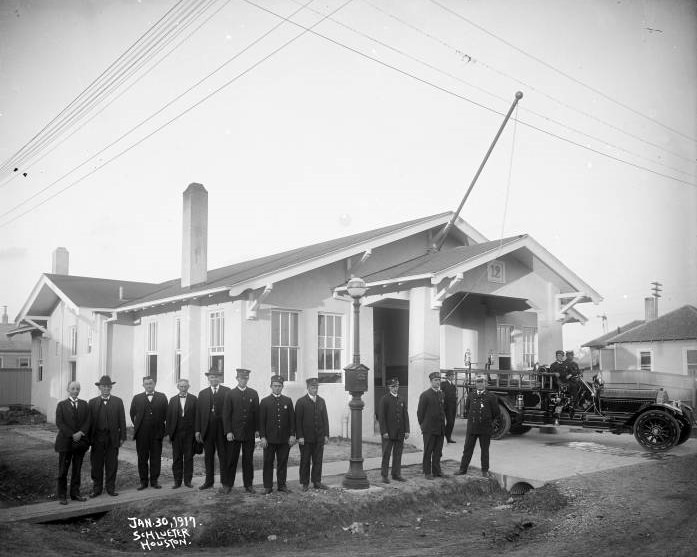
(105, 380)
(214, 371)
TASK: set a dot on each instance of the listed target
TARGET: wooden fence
(15, 386)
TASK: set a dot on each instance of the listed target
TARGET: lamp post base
(355, 478)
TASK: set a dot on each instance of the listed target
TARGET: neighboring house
(602, 354)
(15, 365)
(290, 314)
(659, 350)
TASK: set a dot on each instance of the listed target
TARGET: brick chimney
(650, 308)
(60, 262)
(5, 319)
(195, 236)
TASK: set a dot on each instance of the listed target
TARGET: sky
(380, 113)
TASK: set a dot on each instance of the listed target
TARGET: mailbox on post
(356, 380)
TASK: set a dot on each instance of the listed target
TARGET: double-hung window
(284, 344)
(216, 340)
(330, 344)
(529, 347)
(177, 349)
(151, 350)
(645, 360)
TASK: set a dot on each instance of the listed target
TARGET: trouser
(395, 447)
(311, 453)
(183, 456)
(470, 442)
(149, 449)
(104, 459)
(213, 442)
(64, 460)
(278, 452)
(433, 449)
(449, 420)
(233, 449)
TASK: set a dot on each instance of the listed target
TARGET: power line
(124, 90)
(201, 101)
(147, 45)
(547, 65)
(479, 61)
(499, 97)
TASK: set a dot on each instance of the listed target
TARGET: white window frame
(638, 359)
(216, 339)
(25, 359)
(530, 346)
(285, 345)
(151, 332)
(330, 343)
(90, 337)
(40, 362)
(177, 349)
(509, 347)
(73, 340)
(688, 364)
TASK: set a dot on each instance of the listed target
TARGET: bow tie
(182, 396)
(480, 392)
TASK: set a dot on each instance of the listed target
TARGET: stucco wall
(668, 356)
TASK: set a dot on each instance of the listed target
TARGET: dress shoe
(63, 501)
(441, 475)
(78, 498)
(176, 486)
(452, 441)
(429, 477)
(385, 480)
(284, 489)
(319, 485)
(95, 494)
(141, 487)
(250, 489)
(206, 485)
(398, 479)
(461, 472)
(155, 485)
(268, 490)
(224, 490)
(305, 487)
(188, 484)
(486, 474)
(113, 493)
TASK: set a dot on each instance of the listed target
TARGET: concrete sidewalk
(534, 458)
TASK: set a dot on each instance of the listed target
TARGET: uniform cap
(434, 375)
(277, 379)
(394, 382)
(312, 381)
(244, 373)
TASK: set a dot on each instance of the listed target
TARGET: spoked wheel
(502, 424)
(657, 430)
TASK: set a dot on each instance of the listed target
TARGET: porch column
(424, 351)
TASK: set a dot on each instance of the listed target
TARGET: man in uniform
(209, 427)
(73, 423)
(450, 396)
(108, 432)
(573, 377)
(277, 432)
(431, 416)
(394, 429)
(241, 421)
(481, 408)
(181, 421)
(148, 413)
(312, 430)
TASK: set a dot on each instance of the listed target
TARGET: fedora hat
(105, 380)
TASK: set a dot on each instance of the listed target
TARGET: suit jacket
(68, 423)
(116, 418)
(276, 419)
(177, 423)
(481, 411)
(431, 412)
(241, 413)
(393, 416)
(204, 405)
(155, 412)
(311, 420)
(449, 393)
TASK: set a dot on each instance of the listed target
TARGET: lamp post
(356, 383)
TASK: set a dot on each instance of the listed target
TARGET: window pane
(321, 325)
(293, 364)
(284, 329)
(320, 359)
(330, 325)
(294, 329)
(275, 328)
(337, 326)
(274, 361)
(283, 364)
(337, 359)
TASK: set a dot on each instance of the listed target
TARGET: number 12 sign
(496, 271)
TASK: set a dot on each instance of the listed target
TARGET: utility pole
(656, 293)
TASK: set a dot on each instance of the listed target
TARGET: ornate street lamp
(356, 383)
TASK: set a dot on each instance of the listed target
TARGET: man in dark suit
(394, 429)
(108, 432)
(73, 423)
(312, 430)
(148, 414)
(181, 420)
(450, 397)
(209, 427)
(277, 432)
(481, 409)
(431, 416)
(241, 422)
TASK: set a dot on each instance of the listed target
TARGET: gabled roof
(100, 293)
(679, 324)
(601, 341)
(256, 272)
(16, 344)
